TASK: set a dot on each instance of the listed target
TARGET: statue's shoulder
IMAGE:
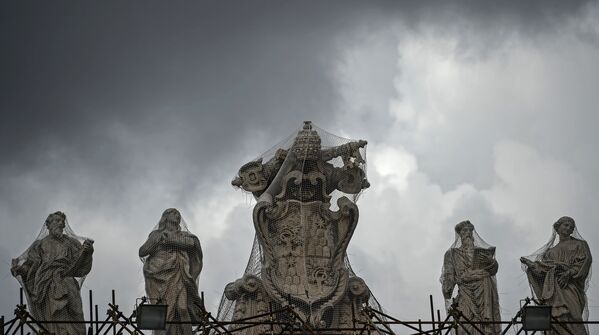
(155, 232)
(36, 244)
(582, 243)
(188, 234)
(451, 252)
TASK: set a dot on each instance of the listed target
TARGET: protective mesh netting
(172, 258)
(559, 274)
(306, 188)
(51, 272)
(470, 264)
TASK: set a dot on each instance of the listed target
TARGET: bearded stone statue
(51, 273)
(470, 265)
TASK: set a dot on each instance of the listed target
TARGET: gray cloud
(113, 112)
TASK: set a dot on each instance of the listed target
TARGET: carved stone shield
(304, 246)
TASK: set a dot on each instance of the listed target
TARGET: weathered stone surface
(471, 266)
(172, 264)
(302, 240)
(51, 271)
(559, 272)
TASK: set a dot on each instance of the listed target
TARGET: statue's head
(464, 229)
(170, 220)
(307, 143)
(56, 222)
(564, 226)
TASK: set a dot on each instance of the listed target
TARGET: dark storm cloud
(97, 96)
(70, 69)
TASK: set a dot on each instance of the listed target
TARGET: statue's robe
(51, 285)
(477, 299)
(568, 303)
(171, 275)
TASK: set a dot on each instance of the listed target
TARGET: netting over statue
(306, 189)
(559, 274)
(51, 272)
(470, 265)
(172, 258)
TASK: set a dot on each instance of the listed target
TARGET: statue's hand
(526, 261)
(15, 268)
(563, 278)
(362, 143)
(479, 274)
(88, 246)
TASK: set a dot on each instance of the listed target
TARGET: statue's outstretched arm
(20, 270)
(351, 149)
(33, 260)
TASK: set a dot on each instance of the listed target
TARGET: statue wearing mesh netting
(559, 274)
(172, 259)
(51, 272)
(470, 265)
(305, 215)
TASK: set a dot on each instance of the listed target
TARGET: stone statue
(470, 264)
(51, 272)
(559, 273)
(172, 259)
(300, 256)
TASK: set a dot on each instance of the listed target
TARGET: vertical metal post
(91, 311)
(96, 317)
(2, 325)
(114, 304)
(21, 302)
(432, 312)
(439, 319)
(21, 295)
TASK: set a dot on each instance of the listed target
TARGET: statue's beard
(468, 241)
(56, 232)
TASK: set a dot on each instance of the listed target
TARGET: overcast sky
(115, 111)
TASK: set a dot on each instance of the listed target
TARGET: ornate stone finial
(251, 177)
(307, 143)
